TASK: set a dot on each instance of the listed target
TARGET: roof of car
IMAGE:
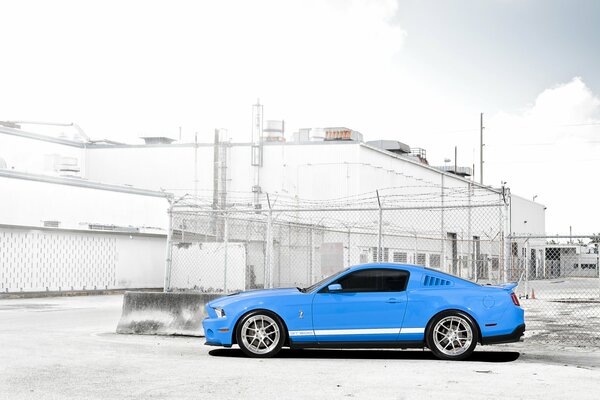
(388, 265)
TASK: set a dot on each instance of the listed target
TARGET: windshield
(321, 282)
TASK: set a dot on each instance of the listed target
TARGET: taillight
(515, 300)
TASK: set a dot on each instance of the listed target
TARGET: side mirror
(335, 287)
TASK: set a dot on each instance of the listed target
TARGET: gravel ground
(66, 348)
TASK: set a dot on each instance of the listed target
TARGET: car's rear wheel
(260, 334)
(452, 335)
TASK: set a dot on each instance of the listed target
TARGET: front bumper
(217, 332)
(512, 337)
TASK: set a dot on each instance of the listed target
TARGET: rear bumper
(512, 337)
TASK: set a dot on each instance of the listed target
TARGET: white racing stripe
(330, 332)
(357, 331)
(412, 330)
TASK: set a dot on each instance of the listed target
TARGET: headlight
(220, 312)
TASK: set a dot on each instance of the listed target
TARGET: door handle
(393, 300)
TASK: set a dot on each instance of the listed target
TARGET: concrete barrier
(159, 313)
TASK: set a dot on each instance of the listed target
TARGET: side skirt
(359, 345)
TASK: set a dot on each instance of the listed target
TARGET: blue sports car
(369, 306)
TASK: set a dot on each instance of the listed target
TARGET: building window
(400, 257)
(434, 260)
(421, 259)
(377, 257)
(584, 266)
(495, 263)
(364, 258)
(515, 249)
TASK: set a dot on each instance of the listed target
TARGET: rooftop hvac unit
(302, 136)
(340, 133)
(393, 146)
(273, 131)
(157, 140)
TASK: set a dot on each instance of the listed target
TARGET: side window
(359, 281)
(374, 280)
(393, 280)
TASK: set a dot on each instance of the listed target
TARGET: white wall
(30, 155)
(150, 167)
(206, 266)
(140, 261)
(73, 257)
(311, 171)
(527, 217)
(29, 203)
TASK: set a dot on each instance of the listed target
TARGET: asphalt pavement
(66, 348)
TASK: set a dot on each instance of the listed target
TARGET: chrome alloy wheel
(452, 335)
(260, 334)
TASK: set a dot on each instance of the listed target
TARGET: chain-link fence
(252, 246)
(559, 286)
(232, 250)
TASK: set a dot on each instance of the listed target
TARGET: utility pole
(196, 165)
(455, 162)
(481, 148)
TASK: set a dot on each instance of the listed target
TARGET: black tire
(452, 335)
(260, 334)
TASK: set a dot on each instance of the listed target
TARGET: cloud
(123, 69)
(551, 149)
(554, 113)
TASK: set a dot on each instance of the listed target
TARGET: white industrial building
(59, 194)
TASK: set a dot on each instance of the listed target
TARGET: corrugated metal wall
(42, 260)
(56, 260)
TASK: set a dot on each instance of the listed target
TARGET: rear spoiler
(509, 286)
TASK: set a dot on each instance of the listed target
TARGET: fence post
(168, 258)
(226, 249)
(269, 245)
(416, 248)
(544, 266)
(506, 237)
(311, 255)
(379, 235)
(598, 265)
(470, 240)
(349, 249)
(443, 228)
(527, 263)
(538, 261)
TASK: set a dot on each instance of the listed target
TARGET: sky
(415, 71)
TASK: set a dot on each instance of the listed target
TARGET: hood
(250, 294)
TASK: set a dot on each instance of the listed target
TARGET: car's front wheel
(452, 336)
(260, 334)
